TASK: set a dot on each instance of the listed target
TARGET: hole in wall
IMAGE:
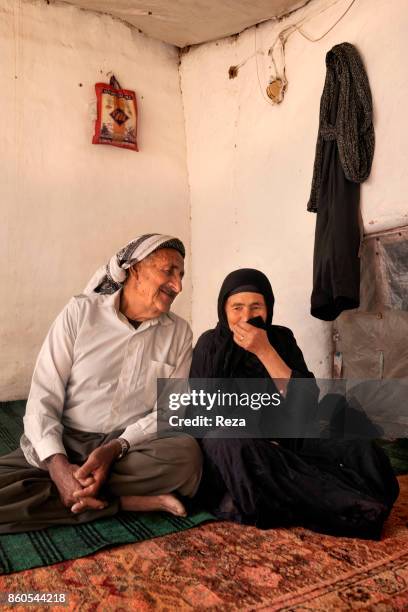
(233, 72)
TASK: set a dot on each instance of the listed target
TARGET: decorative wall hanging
(116, 121)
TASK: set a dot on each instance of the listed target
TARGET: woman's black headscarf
(245, 279)
(216, 355)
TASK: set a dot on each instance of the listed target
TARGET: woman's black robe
(341, 487)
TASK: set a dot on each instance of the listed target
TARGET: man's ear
(134, 271)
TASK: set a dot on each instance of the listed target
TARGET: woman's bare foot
(148, 503)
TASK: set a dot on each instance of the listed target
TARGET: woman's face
(244, 306)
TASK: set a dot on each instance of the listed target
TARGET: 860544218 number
(12, 598)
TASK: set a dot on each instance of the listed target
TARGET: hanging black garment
(344, 153)
(332, 486)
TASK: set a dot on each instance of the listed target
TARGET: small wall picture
(116, 122)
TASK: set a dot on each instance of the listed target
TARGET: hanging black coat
(344, 154)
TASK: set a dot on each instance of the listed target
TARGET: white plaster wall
(67, 205)
(250, 163)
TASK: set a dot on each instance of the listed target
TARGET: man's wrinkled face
(158, 280)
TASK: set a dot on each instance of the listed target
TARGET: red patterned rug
(226, 567)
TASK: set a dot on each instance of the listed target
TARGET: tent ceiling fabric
(188, 22)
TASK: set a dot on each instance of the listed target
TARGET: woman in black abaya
(342, 487)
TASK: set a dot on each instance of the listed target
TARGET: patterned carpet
(226, 567)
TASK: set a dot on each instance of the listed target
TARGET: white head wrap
(111, 277)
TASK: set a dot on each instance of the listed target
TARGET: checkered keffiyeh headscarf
(110, 278)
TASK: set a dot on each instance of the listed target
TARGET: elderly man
(90, 444)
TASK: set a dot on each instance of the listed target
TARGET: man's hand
(96, 467)
(62, 474)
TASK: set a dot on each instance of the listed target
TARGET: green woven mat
(26, 550)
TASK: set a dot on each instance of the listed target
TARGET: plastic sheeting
(384, 271)
(372, 345)
(372, 341)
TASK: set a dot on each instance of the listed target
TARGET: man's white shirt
(96, 373)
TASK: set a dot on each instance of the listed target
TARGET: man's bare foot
(148, 503)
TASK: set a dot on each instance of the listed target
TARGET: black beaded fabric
(353, 129)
